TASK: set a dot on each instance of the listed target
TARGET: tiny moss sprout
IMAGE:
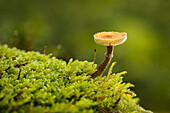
(109, 39)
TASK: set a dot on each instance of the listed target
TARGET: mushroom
(109, 39)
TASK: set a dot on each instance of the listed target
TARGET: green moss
(33, 82)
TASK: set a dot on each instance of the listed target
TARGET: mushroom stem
(103, 65)
(109, 51)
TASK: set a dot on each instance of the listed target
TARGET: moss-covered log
(33, 82)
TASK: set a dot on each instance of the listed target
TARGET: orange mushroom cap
(110, 38)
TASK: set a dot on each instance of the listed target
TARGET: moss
(33, 82)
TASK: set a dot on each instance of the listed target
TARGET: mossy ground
(33, 82)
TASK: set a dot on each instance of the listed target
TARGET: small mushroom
(109, 39)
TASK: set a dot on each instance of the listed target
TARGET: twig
(19, 74)
(63, 77)
(7, 69)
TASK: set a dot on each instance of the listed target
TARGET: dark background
(67, 27)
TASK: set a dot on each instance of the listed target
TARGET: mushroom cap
(110, 38)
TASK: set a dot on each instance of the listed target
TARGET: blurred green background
(67, 27)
